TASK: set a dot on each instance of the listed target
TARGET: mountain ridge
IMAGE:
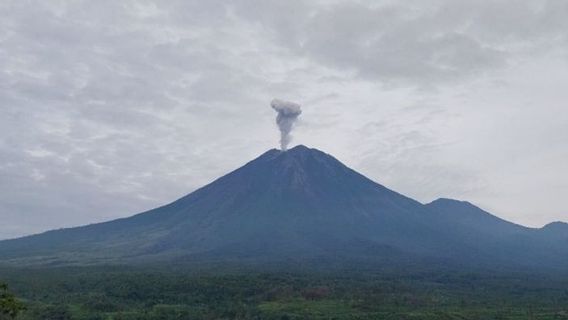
(295, 205)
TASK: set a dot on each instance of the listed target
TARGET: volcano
(301, 206)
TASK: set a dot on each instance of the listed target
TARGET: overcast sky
(110, 108)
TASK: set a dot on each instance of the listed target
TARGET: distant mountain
(298, 207)
(503, 242)
(559, 228)
(556, 232)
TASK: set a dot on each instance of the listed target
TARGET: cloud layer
(110, 108)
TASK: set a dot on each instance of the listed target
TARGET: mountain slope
(497, 239)
(297, 205)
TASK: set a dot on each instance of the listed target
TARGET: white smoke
(288, 112)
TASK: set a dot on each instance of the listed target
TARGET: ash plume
(288, 113)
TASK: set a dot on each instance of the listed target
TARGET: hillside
(301, 206)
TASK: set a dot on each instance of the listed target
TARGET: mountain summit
(296, 206)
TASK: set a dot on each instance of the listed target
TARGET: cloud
(288, 113)
(420, 43)
(110, 108)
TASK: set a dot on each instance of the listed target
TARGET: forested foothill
(136, 293)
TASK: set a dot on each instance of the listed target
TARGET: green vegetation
(117, 293)
(10, 307)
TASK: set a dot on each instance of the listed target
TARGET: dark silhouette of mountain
(299, 206)
(558, 227)
(493, 240)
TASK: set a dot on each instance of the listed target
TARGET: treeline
(10, 307)
(110, 293)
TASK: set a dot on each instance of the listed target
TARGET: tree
(10, 307)
(55, 312)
